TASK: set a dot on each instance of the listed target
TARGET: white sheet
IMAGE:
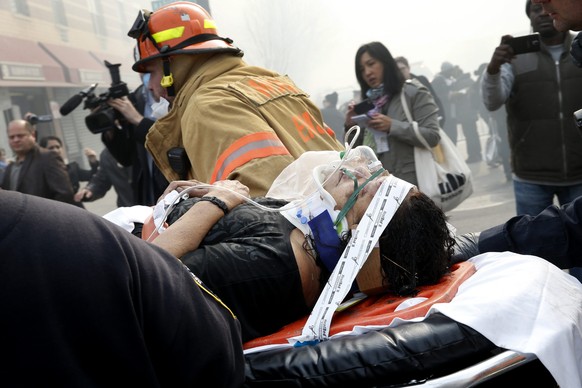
(126, 216)
(526, 304)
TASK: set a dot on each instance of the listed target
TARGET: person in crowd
(356, 97)
(226, 119)
(540, 90)
(332, 116)
(441, 85)
(566, 14)
(35, 171)
(554, 234)
(123, 313)
(496, 122)
(387, 131)
(270, 266)
(3, 163)
(465, 113)
(76, 173)
(128, 144)
(404, 67)
(110, 174)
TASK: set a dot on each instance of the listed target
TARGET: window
(123, 20)
(96, 17)
(59, 12)
(20, 7)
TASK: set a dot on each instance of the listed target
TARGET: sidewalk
(492, 201)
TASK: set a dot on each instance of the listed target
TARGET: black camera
(34, 119)
(103, 116)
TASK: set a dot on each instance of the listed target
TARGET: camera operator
(127, 145)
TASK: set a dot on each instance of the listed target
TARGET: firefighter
(220, 118)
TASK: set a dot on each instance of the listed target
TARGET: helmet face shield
(140, 25)
(178, 28)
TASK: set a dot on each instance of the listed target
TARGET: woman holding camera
(381, 114)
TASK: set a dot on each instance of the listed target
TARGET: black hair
(527, 7)
(416, 247)
(44, 141)
(402, 60)
(392, 78)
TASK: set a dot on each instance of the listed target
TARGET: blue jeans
(532, 199)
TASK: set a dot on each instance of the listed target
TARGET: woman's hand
(231, 192)
(380, 122)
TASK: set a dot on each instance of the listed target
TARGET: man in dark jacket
(332, 116)
(404, 67)
(110, 174)
(540, 90)
(35, 171)
(76, 173)
(128, 146)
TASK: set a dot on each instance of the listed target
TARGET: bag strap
(414, 123)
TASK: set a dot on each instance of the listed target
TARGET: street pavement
(491, 203)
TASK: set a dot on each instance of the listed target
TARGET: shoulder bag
(441, 173)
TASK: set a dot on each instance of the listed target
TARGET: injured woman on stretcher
(274, 260)
(268, 259)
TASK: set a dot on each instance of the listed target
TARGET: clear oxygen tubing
(185, 193)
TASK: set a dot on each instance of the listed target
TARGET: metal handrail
(481, 372)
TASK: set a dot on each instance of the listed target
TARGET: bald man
(35, 171)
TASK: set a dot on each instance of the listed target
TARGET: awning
(24, 61)
(81, 66)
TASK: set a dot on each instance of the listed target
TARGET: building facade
(52, 50)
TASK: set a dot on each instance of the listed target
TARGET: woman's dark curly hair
(416, 247)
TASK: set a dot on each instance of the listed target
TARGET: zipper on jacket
(561, 117)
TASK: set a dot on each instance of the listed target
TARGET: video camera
(102, 116)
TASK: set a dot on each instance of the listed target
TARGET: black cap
(332, 98)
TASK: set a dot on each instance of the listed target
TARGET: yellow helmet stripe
(208, 23)
(171, 33)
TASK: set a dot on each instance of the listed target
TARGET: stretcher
(425, 351)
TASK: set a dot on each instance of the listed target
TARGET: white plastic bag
(441, 173)
(448, 182)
